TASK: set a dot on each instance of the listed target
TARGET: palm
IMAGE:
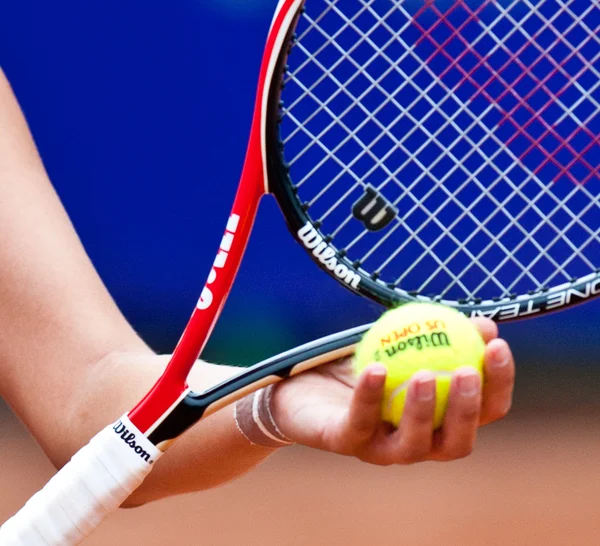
(315, 405)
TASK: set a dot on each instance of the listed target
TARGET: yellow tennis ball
(419, 336)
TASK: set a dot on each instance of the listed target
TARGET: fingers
(499, 384)
(412, 441)
(471, 404)
(370, 439)
(365, 407)
(457, 437)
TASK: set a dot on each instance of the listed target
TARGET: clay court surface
(534, 480)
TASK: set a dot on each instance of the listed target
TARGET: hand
(329, 409)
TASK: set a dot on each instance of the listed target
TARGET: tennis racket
(419, 150)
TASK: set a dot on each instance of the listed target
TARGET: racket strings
(553, 98)
(347, 169)
(351, 134)
(479, 125)
(460, 247)
(443, 17)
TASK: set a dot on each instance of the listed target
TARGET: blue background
(141, 112)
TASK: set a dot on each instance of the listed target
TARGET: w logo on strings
(374, 210)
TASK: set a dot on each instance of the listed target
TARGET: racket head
(441, 151)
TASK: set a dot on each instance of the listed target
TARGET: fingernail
(425, 386)
(500, 358)
(376, 377)
(468, 383)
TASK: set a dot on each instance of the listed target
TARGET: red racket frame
(172, 385)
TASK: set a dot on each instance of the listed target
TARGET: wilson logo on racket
(374, 210)
(130, 439)
(326, 255)
(206, 298)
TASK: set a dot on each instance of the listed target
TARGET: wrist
(254, 420)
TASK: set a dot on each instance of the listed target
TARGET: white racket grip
(91, 486)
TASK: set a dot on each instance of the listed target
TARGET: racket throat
(172, 385)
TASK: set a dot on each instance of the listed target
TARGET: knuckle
(367, 397)
(419, 415)
(469, 415)
(507, 379)
(504, 378)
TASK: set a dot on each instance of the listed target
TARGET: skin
(70, 363)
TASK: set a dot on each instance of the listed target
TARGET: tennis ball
(419, 336)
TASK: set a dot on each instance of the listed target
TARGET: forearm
(56, 318)
(61, 334)
(209, 454)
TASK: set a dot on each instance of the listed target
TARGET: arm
(69, 361)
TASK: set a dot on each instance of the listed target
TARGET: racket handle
(91, 486)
